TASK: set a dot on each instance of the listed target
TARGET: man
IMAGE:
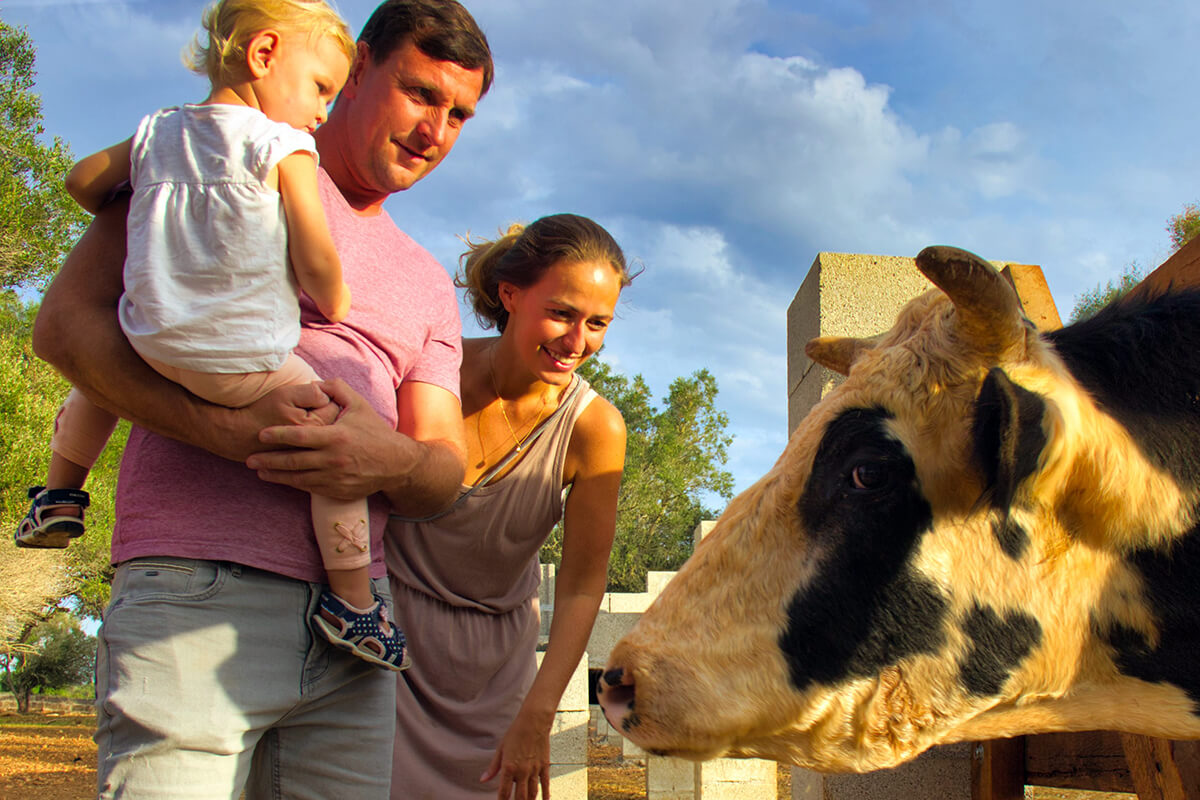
(209, 676)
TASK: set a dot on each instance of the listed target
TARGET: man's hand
(348, 458)
(300, 405)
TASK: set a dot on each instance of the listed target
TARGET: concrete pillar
(719, 779)
(736, 779)
(569, 738)
(670, 779)
(545, 600)
(843, 295)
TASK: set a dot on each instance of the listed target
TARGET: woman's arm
(595, 459)
(314, 258)
(94, 178)
(77, 332)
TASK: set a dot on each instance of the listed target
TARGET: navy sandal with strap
(39, 528)
(367, 633)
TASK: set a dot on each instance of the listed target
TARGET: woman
(474, 713)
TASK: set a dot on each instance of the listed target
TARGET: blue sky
(726, 142)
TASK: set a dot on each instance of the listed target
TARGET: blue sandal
(367, 633)
(39, 529)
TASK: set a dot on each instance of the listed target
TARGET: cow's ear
(1008, 435)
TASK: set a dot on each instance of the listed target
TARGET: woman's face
(558, 322)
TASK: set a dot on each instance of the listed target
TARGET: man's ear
(261, 51)
(362, 55)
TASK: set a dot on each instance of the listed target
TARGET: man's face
(405, 115)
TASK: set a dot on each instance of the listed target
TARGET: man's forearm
(433, 480)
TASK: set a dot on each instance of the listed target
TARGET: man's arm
(93, 179)
(77, 332)
(419, 465)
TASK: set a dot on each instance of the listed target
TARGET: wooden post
(1157, 775)
(998, 770)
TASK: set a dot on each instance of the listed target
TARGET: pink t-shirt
(178, 500)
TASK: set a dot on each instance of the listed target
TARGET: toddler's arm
(314, 259)
(92, 180)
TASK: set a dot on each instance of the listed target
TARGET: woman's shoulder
(600, 420)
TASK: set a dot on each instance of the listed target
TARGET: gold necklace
(512, 431)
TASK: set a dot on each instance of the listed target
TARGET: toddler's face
(302, 80)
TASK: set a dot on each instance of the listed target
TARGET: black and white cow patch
(996, 645)
(865, 608)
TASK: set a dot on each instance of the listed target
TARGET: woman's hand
(522, 761)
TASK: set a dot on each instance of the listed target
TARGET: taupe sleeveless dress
(465, 586)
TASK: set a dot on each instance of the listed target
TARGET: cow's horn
(836, 352)
(986, 306)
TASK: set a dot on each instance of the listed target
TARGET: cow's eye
(869, 475)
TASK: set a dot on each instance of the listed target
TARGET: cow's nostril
(618, 696)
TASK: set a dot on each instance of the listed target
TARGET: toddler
(224, 222)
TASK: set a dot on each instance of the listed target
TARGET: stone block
(657, 580)
(631, 752)
(670, 779)
(546, 586)
(568, 738)
(942, 772)
(606, 632)
(844, 294)
(629, 602)
(703, 529)
(736, 779)
(569, 781)
(575, 696)
(600, 723)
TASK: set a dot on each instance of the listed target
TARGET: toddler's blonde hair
(231, 24)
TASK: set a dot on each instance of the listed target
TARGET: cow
(982, 532)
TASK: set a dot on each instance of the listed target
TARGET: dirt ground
(44, 757)
(52, 757)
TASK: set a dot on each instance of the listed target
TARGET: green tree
(34, 583)
(1184, 226)
(55, 654)
(38, 224)
(1096, 298)
(38, 220)
(674, 457)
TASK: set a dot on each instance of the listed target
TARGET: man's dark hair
(441, 29)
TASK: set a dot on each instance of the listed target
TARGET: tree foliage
(1096, 298)
(56, 653)
(34, 583)
(1184, 226)
(38, 224)
(674, 458)
(38, 220)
